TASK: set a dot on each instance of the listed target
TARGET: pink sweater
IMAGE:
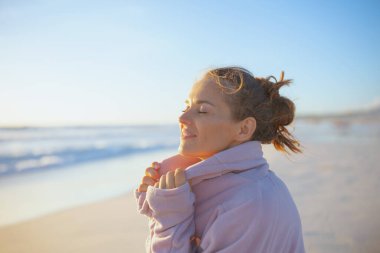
(236, 205)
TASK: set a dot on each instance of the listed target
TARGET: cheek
(216, 133)
(209, 128)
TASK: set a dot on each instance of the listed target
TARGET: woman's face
(206, 124)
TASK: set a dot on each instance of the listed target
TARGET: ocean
(28, 150)
(40, 149)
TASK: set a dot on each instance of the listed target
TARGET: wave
(70, 156)
(32, 149)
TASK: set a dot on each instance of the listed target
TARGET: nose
(184, 118)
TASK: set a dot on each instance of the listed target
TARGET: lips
(186, 134)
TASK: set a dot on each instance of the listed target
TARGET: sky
(134, 62)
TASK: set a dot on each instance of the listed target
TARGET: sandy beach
(107, 226)
(335, 184)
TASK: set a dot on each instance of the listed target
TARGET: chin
(184, 152)
(192, 152)
(187, 151)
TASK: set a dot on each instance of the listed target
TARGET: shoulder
(267, 196)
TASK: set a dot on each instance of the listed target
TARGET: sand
(107, 226)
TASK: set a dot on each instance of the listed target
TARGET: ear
(246, 129)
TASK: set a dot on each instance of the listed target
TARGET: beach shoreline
(32, 195)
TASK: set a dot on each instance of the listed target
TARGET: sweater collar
(248, 155)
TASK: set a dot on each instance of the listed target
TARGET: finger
(157, 184)
(162, 182)
(180, 177)
(170, 183)
(148, 180)
(155, 165)
(142, 188)
(152, 173)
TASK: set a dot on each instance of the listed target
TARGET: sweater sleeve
(142, 204)
(143, 208)
(171, 218)
(173, 214)
(247, 229)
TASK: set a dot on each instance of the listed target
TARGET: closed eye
(201, 109)
(187, 108)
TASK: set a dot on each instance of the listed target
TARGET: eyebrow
(200, 102)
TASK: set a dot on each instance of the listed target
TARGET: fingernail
(156, 166)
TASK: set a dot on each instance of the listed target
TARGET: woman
(228, 200)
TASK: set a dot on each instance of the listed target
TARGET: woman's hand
(172, 179)
(151, 177)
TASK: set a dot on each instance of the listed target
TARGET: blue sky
(134, 62)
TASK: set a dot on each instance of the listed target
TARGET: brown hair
(249, 96)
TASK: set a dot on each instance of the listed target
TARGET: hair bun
(283, 109)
